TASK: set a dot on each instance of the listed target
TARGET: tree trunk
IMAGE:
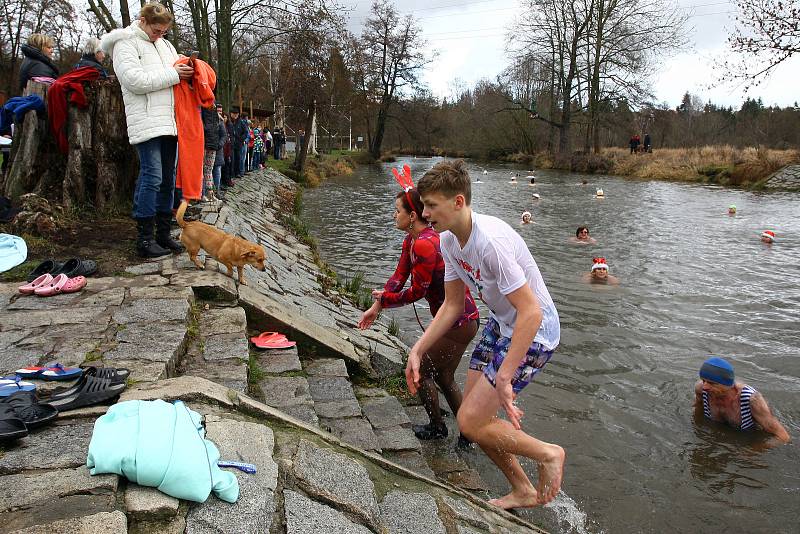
(125, 12)
(594, 94)
(225, 53)
(377, 139)
(300, 162)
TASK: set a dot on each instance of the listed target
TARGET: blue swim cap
(717, 370)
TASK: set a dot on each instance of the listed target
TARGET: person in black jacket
(219, 159)
(93, 56)
(38, 61)
(239, 137)
(211, 145)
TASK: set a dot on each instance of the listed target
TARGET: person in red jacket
(422, 260)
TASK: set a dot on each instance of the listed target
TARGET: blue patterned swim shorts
(491, 350)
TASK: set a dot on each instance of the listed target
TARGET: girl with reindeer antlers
(421, 260)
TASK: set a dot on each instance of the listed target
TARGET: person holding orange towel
(145, 64)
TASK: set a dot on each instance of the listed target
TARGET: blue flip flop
(51, 371)
(11, 385)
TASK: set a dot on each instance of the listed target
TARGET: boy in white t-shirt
(488, 256)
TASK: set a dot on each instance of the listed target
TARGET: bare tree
(389, 59)
(20, 18)
(767, 33)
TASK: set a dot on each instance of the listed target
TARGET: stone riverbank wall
(334, 454)
(786, 178)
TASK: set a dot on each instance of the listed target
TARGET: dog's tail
(180, 212)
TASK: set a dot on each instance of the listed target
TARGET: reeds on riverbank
(723, 164)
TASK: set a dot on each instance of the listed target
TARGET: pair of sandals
(72, 267)
(22, 412)
(272, 340)
(47, 285)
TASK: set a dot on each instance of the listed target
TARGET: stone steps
(219, 347)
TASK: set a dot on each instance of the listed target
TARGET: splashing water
(570, 518)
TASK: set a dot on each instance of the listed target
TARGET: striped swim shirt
(745, 412)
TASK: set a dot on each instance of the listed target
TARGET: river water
(618, 393)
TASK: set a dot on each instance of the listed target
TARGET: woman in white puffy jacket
(144, 63)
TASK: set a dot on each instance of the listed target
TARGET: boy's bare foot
(517, 499)
(550, 473)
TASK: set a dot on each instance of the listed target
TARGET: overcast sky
(469, 38)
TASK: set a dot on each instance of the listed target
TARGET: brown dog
(227, 249)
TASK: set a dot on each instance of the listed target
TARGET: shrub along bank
(724, 165)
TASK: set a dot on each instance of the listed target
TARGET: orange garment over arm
(188, 101)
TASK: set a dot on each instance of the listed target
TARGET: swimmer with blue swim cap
(725, 400)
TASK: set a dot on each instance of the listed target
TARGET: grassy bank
(318, 167)
(724, 165)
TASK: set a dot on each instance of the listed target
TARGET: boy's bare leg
(508, 463)
(477, 420)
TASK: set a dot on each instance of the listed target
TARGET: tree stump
(101, 166)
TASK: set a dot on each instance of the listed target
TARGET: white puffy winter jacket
(146, 73)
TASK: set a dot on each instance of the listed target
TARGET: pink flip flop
(74, 285)
(42, 280)
(275, 344)
(53, 288)
(272, 340)
(267, 336)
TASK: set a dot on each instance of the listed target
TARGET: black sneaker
(430, 431)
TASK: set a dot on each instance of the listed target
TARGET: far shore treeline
(577, 85)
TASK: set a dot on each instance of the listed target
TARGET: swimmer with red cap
(599, 273)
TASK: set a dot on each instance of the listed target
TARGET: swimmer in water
(536, 196)
(600, 194)
(768, 237)
(599, 273)
(719, 397)
(533, 180)
(513, 179)
(582, 237)
(732, 209)
(527, 218)
(584, 182)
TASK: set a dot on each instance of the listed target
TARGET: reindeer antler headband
(406, 183)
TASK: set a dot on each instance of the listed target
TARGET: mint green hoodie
(162, 445)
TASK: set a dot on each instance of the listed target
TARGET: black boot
(146, 247)
(162, 233)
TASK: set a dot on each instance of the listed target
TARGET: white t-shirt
(495, 262)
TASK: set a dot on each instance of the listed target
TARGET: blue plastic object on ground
(241, 466)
